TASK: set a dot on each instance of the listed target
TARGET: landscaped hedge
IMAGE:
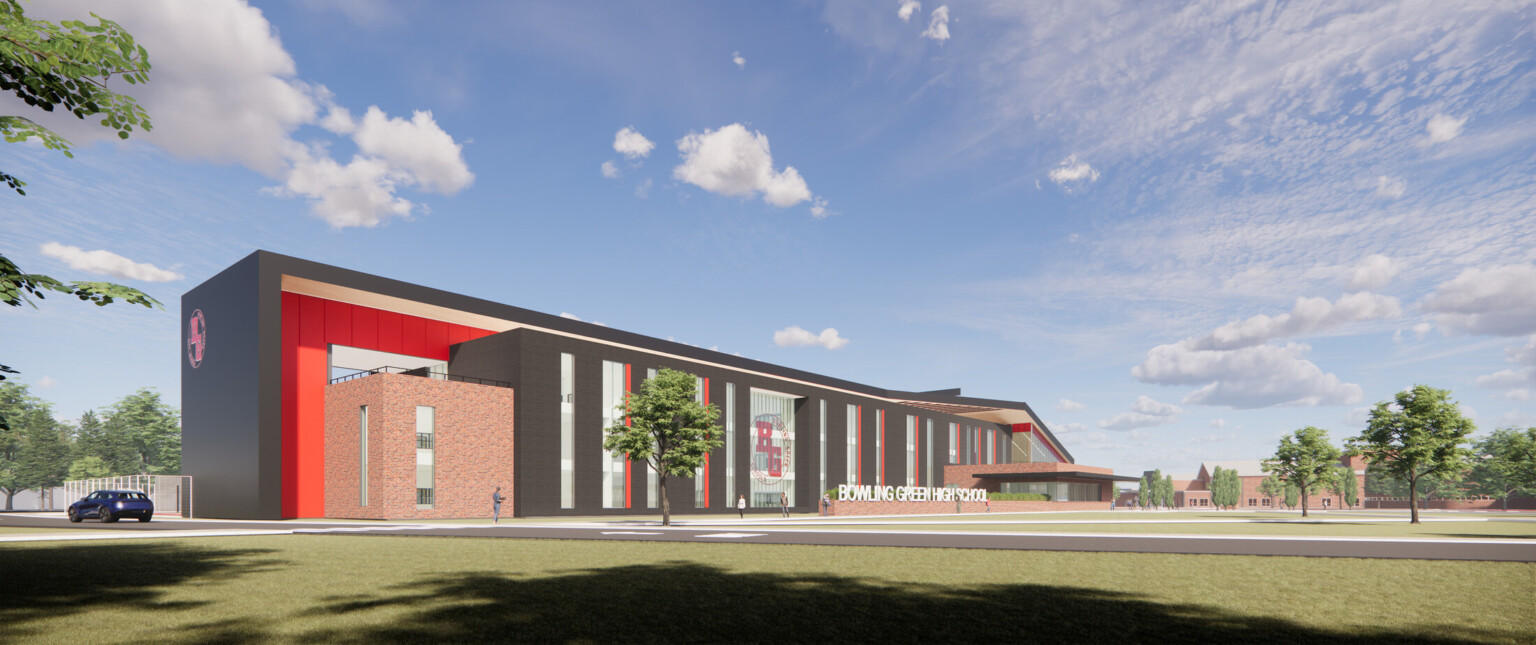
(1018, 497)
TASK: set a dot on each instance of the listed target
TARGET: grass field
(1439, 530)
(398, 589)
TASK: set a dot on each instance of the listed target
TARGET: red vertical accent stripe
(290, 388)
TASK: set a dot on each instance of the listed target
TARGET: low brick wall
(1515, 503)
(935, 508)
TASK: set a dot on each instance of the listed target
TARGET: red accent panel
(338, 322)
(413, 336)
(437, 339)
(290, 387)
(457, 334)
(312, 368)
(365, 327)
(628, 463)
(390, 326)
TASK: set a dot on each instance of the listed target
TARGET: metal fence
(172, 494)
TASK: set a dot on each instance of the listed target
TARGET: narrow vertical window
(567, 431)
(730, 445)
(911, 450)
(991, 443)
(701, 476)
(880, 447)
(612, 462)
(652, 488)
(954, 431)
(928, 472)
(853, 445)
(426, 445)
(822, 426)
(362, 456)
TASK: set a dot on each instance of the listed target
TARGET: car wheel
(144, 519)
(72, 517)
(106, 515)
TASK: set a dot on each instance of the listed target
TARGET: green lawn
(393, 589)
(1291, 528)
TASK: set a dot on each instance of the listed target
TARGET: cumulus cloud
(1308, 315)
(610, 170)
(46, 382)
(1072, 170)
(1443, 128)
(1067, 428)
(1248, 377)
(1068, 405)
(1497, 301)
(224, 89)
(1515, 382)
(1218, 423)
(794, 336)
(733, 161)
(1145, 413)
(108, 263)
(741, 63)
(908, 7)
(1209, 438)
(1390, 187)
(1373, 272)
(643, 189)
(632, 144)
(938, 24)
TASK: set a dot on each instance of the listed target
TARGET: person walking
(496, 500)
(826, 504)
(784, 503)
(741, 506)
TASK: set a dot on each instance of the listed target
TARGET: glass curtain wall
(567, 431)
(911, 450)
(730, 445)
(880, 447)
(652, 486)
(821, 426)
(773, 438)
(362, 456)
(928, 471)
(853, 445)
(613, 462)
(426, 444)
(1038, 452)
(700, 476)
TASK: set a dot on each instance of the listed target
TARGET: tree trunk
(666, 509)
(8, 495)
(1413, 500)
(1303, 501)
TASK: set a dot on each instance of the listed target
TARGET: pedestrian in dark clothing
(496, 500)
(784, 503)
(826, 504)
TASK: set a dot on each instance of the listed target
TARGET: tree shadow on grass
(688, 602)
(50, 582)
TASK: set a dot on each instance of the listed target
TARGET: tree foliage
(1167, 488)
(67, 67)
(143, 435)
(1143, 495)
(668, 429)
(1226, 488)
(1346, 485)
(33, 451)
(1305, 460)
(1505, 464)
(1271, 487)
(1419, 438)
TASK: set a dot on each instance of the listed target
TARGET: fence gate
(172, 494)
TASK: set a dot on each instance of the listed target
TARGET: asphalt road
(1507, 550)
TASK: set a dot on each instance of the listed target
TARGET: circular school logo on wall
(197, 338)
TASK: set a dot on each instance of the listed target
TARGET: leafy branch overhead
(67, 66)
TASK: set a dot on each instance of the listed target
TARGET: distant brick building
(1195, 491)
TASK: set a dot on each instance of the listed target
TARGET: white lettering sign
(865, 493)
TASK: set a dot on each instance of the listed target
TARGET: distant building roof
(1244, 468)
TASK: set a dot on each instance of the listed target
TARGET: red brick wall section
(936, 508)
(472, 451)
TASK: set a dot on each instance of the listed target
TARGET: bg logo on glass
(772, 458)
(197, 338)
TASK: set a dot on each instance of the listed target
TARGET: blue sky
(1178, 230)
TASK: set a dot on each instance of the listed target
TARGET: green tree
(1143, 496)
(1168, 496)
(1380, 483)
(65, 66)
(88, 467)
(1271, 488)
(668, 429)
(1292, 495)
(1223, 493)
(1305, 460)
(1345, 485)
(31, 420)
(113, 451)
(1155, 492)
(1505, 464)
(1421, 437)
(44, 457)
(148, 430)
(1234, 487)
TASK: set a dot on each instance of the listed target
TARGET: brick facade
(472, 451)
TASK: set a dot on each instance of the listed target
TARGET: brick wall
(472, 451)
(934, 508)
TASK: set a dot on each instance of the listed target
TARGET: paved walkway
(761, 531)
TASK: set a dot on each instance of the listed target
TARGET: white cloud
(1067, 428)
(1209, 438)
(224, 89)
(1218, 423)
(733, 161)
(1308, 315)
(1390, 187)
(1248, 377)
(643, 189)
(1373, 272)
(1357, 417)
(1068, 405)
(1073, 170)
(1443, 128)
(565, 314)
(819, 208)
(1497, 301)
(1515, 383)
(793, 336)
(610, 171)
(108, 263)
(908, 7)
(938, 24)
(1145, 412)
(46, 382)
(741, 63)
(632, 144)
